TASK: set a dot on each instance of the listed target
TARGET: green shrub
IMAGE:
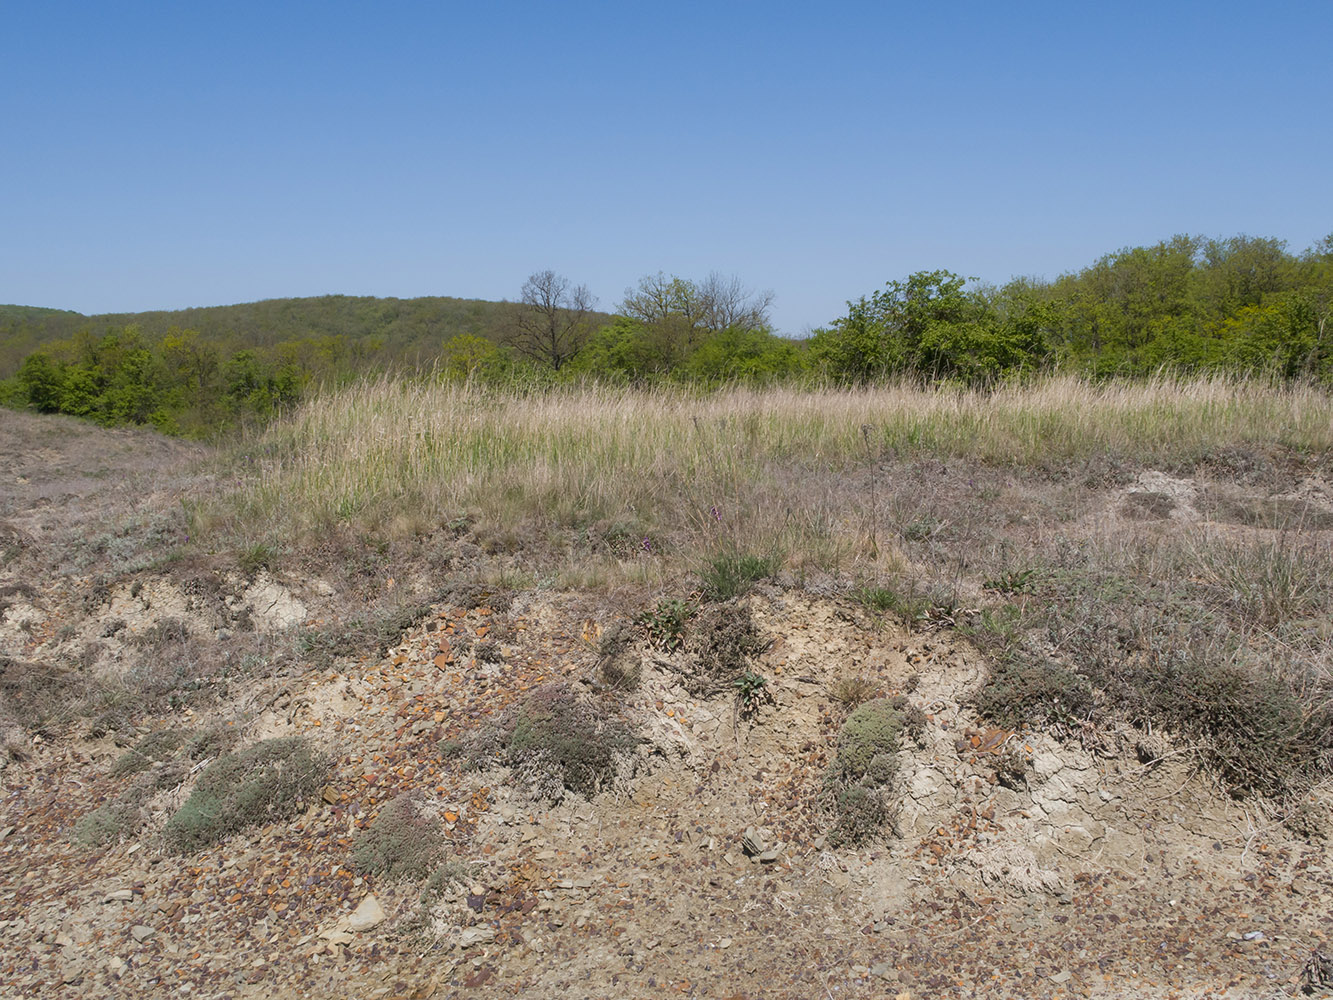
(400, 844)
(110, 823)
(556, 741)
(263, 783)
(868, 743)
(867, 762)
(1031, 691)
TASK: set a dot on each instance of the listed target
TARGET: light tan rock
(367, 915)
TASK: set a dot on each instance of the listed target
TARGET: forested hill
(394, 330)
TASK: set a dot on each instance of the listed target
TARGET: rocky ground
(1028, 863)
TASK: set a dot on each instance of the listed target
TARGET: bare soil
(1063, 863)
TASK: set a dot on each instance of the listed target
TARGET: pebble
(142, 932)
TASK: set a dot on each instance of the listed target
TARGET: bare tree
(730, 305)
(685, 310)
(550, 320)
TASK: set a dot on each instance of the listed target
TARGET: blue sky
(163, 155)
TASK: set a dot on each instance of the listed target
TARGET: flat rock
(367, 915)
(118, 896)
(753, 841)
(142, 932)
(473, 936)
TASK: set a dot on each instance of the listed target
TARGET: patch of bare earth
(1034, 863)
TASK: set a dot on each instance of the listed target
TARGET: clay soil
(1080, 871)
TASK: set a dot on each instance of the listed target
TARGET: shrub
(109, 823)
(1030, 691)
(556, 741)
(400, 844)
(1254, 730)
(868, 743)
(867, 762)
(262, 783)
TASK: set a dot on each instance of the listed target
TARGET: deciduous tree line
(1188, 304)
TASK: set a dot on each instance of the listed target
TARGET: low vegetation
(263, 783)
(401, 843)
(857, 785)
(556, 741)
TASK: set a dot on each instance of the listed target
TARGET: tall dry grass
(674, 464)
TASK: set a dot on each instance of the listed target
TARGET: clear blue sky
(162, 155)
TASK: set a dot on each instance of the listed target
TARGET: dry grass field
(905, 690)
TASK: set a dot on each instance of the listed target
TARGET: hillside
(401, 330)
(768, 694)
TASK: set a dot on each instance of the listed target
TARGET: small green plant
(751, 690)
(263, 783)
(665, 624)
(729, 574)
(401, 843)
(1014, 581)
(556, 741)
